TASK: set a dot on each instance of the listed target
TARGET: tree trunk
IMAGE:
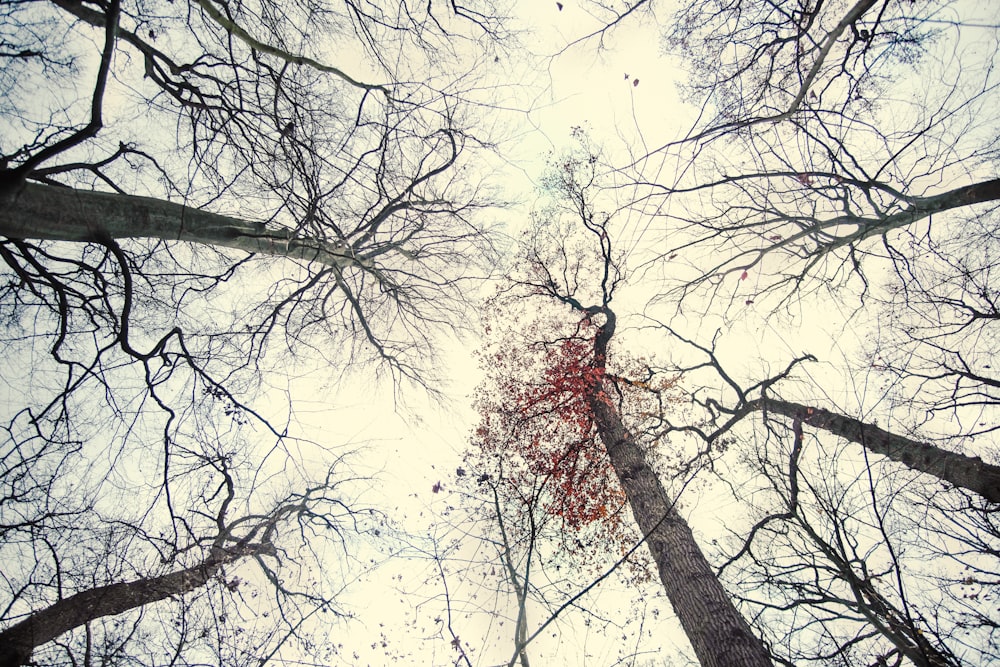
(19, 641)
(922, 207)
(65, 214)
(720, 635)
(967, 472)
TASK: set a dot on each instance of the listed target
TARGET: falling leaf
(559, 5)
(635, 82)
(460, 472)
(626, 76)
(436, 488)
(744, 276)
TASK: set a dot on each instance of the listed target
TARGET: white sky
(409, 443)
(421, 443)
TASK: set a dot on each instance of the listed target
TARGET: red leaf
(744, 276)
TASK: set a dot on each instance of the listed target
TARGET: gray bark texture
(967, 472)
(720, 635)
(19, 641)
(64, 214)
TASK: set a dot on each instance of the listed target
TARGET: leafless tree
(838, 572)
(849, 556)
(827, 128)
(99, 575)
(191, 195)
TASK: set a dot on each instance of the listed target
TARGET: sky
(404, 446)
(415, 444)
(624, 95)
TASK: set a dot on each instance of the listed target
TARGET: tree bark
(920, 208)
(65, 214)
(19, 641)
(720, 635)
(967, 472)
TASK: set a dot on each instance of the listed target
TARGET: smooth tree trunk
(64, 214)
(19, 641)
(919, 209)
(720, 635)
(967, 472)
(922, 207)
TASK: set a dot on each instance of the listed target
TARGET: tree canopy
(735, 315)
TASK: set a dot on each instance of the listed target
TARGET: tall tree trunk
(65, 214)
(967, 472)
(920, 208)
(19, 641)
(720, 635)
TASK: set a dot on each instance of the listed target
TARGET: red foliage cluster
(538, 411)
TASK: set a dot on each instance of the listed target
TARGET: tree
(552, 509)
(190, 196)
(843, 162)
(847, 556)
(580, 395)
(960, 470)
(533, 535)
(85, 570)
(833, 574)
(830, 138)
